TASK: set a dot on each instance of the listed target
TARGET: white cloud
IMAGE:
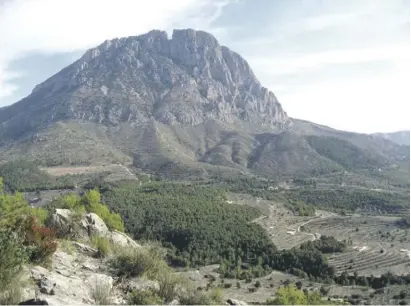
(367, 105)
(342, 63)
(299, 63)
(50, 26)
(297, 54)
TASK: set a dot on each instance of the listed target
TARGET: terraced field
(377, 246)
(367, 261)
(281, 224)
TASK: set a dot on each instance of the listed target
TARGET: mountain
(400, 137)
(183, 106)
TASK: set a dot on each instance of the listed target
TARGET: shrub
(216, 296)
(91, 200)
(40, 214)
(227, 285)
(12, 258)
(138, 262)
(238, 285)
(169, 284)
(144, 297)
(13, 209)
(290, 295)
(41, 242)
(101, 292)
(195, 299)
(101, 244)
(13, 295)
(199, 298)
(257, 284)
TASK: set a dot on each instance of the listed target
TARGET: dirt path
(313, 236)
(320, 215)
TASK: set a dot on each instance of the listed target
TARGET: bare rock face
(122, 240)
(235, 302)
(94, 225)
(61, 220)
(187, 79)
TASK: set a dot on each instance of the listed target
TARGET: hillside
(182, 107)
(400, 137)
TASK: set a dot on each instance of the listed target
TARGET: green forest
(199, 227)
(23, 175)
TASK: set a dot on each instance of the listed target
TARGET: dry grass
(101, 292)
(102, 245)
(12, 296)
(145, 261)
(67, 246)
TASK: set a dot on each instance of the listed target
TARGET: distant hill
(184, 107)
(400, 137)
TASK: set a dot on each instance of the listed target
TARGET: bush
(199, 298)
(144, 297)
(41, 242)
(216, 296)
(40, 214)
(13, 209)
(195, 298)
(169, 284)
(12, 258)
(90, 202)
(101, 292)
(91, 199)
(101, 244)
(326, 244)
(13, 295)
(138, 262)
(290, 295)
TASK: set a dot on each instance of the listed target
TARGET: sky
(341, 63)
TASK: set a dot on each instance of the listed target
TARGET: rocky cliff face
(187, 79)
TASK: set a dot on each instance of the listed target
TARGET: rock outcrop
(76, 276)
(187, 79)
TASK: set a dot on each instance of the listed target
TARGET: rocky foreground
(78, 274)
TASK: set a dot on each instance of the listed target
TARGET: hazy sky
(342, 63)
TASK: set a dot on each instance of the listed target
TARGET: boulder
(61, 220)
(47, 285)
(94, 225)
(34, 302)
(174, 302)
(235, 302)
(67, 224)
(85, 249)
(122, 239)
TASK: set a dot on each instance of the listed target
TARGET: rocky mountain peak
(186, 79)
